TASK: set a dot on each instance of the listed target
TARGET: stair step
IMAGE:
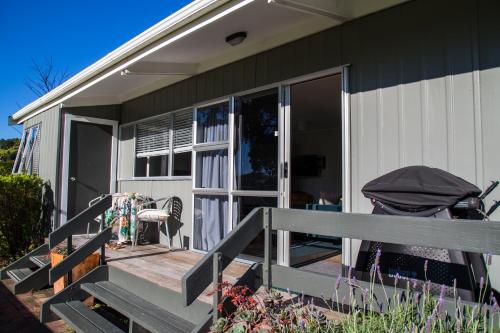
(82, 319)
(19, 273)
(40, 261)
(140, 311)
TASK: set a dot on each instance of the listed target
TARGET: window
(211, 202)
(28, 154)
(163, 145)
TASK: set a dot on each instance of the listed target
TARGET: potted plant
(59, 253)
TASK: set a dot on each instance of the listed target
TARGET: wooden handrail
(72, 260)
(86, 216)
(200, 276)
(462, 235)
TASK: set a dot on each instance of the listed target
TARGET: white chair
(158, 216)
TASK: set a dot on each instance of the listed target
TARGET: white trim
(68, 118)
(283, 246)
(209, 146)
(139, 47)
(346, 161)
(230, 167)
(168, 178)
(283, 255)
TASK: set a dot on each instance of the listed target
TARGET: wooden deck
(162, 266)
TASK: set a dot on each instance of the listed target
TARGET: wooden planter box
(83, 268)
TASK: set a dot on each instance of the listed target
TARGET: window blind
(153, 136)
(183, 129)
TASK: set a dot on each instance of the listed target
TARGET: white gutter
(177, 20)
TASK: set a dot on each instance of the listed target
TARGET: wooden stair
(31, 272)
(137, 309)
(147, 305)
(82, 319)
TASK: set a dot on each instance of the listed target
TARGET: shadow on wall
(174, 206)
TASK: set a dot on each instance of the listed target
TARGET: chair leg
(168, 236)
(136, 235)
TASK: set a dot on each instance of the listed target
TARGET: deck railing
(74, 225)
(462, 235)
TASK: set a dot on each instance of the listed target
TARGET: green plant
(22, 224)
(414, 310)
(8, 150)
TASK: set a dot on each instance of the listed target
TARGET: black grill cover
(419, 188)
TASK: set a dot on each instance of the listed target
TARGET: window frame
(28, 147)
(170, 152)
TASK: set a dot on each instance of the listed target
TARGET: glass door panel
(315, 163)
(256, 142)
(210, 220)
(242, 206)
(255, 149)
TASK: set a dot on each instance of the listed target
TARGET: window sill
(169, 178)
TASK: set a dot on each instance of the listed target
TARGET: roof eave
(177, 20)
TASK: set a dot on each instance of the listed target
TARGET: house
(232, 105)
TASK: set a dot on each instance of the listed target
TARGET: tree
(45, 77)
(8, 151)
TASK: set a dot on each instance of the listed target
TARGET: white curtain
(214, 127)
(212, 168)
(210, 221)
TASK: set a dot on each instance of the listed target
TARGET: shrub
(414, 310)
(23, 217)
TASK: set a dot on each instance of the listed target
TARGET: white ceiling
(266, 25)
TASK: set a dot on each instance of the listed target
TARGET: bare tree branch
(45, 77)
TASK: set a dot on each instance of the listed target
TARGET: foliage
(22, 224)
(8, 151)
(413, 310)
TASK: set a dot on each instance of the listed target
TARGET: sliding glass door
(236, 165)
(255, 148)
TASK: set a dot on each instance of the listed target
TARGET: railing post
(268, 248)
(103, 246)
(69, 249)
(217, 280)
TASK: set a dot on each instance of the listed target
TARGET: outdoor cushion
(153, 215)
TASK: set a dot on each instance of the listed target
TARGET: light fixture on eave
(236, 38)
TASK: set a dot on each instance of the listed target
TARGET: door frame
(68, 119)
(283, 247)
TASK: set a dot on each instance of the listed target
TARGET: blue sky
(74, 33)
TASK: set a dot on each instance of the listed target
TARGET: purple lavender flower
(302, 324)
(481, 283)
(337, 283)
(428, 324)
(414, 284)
(396, 279)
(349, 273)
(377, 257)
(489, 259)
(443, 289)
(379, 273)
(494, 307)
(426, 264)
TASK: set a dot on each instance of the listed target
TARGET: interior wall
(316, 129)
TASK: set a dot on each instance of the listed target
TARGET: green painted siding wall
(424, 83)
(49, 143)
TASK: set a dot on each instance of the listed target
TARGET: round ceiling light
(236, 38)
